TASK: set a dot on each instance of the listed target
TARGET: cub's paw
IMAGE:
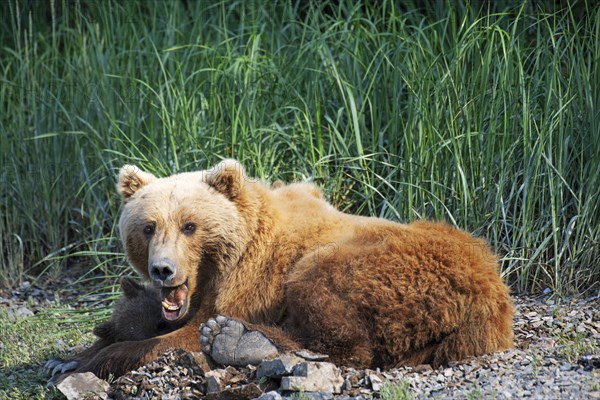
(229, 342)
(59, 369)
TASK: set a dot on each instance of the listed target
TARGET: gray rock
(20, 312)
(80, 385)
(214, 384)
(375, 381)
(345, 397)
(566, 367)
(278, 367)
(314, 396)
(347, 385)
(23, 312)
(272, 395)
(314, 377)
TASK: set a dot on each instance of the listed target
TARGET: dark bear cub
(136, 315)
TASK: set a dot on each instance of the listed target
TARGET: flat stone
(278, 367)
(214, 384)
(566, 367)
(376, 382)
(80, 385)
(314, 377)
(317, 396)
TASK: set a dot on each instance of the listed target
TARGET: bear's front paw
(58, 369)
(228, 342)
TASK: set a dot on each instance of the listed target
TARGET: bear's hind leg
(488, 329)
(326, 323)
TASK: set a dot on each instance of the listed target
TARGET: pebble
(272, 395)
(21, 312)
(376, 382)
(565, 367)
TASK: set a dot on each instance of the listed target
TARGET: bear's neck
(280, 233)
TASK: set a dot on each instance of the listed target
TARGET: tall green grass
(488, 119)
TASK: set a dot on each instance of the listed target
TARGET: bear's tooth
(170, 307)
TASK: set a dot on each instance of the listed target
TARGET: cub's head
(136, 315)
(182, 227)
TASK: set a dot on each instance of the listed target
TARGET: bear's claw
(51, 363)
(58, 369)
(65, 367)
(229, 342)
(60, 366)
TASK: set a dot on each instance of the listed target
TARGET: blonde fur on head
(131, 179)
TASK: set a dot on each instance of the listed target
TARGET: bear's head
(183, 230)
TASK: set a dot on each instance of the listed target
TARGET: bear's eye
(149, 230)
(189, 228)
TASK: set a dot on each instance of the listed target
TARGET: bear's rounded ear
(131, 178)
(130, 287)
(227, 177)
(105, 331)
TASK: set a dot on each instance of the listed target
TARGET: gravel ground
(557, 356)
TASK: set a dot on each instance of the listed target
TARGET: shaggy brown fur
(366, 291)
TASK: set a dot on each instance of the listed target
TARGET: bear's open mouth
(174, 301)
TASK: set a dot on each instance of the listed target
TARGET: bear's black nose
(162, 270)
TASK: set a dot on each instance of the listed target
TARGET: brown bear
(264, 269)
